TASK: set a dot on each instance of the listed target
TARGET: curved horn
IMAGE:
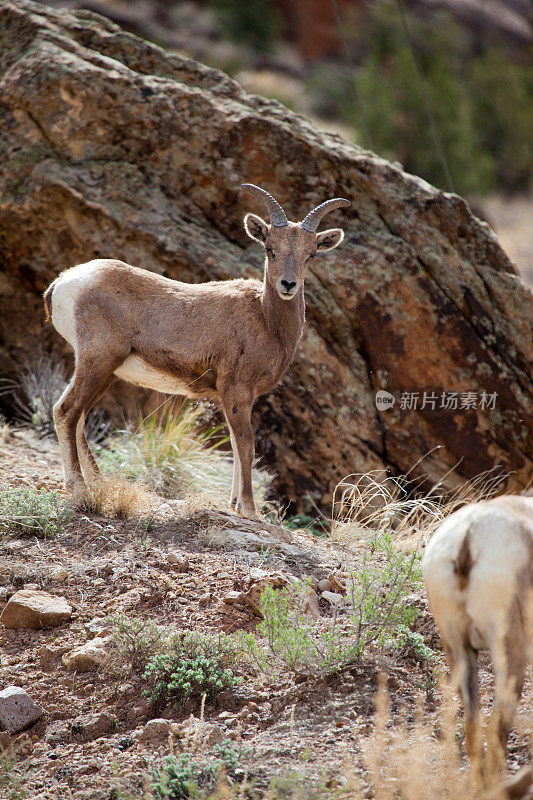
(278, 217)
(312, 220)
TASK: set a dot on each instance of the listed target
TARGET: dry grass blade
(364, 503)
(414, 760)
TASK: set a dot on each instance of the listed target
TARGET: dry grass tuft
(113, 496)
(364, 503)
(176, 451)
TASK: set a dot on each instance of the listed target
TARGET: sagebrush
(32, 512)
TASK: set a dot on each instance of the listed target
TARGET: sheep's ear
(327, 240)
(256, 228)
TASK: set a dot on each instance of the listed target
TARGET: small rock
(204, 599)
(56, 733)
(205, 732)
(32, 609)
(97, 627)
(23, 745)
(223, 575)
(5, 740)
(178, 561)
(233, 597)
(59, 574)
(87, 657)
(17, 709)
(93, 726)
(49, 654)
(311, 604)
(324, 585)
(333, 598)
(155, 729)
(336, 585)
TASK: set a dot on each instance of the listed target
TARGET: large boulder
(111, 147)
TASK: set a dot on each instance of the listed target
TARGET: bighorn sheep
(478, 572)
(226, 340)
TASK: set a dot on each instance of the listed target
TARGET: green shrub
(179, 777)
(135, 641)
(483, 106)
(378, 592)
(32, 512)
(400, 129)
(502, 95)
(192, 665)
(376, 606)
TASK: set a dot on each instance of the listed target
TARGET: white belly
(135, 370)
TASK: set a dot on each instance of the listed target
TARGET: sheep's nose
(288, 285)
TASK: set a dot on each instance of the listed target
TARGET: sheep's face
(290, 250)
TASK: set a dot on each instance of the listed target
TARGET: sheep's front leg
(236, 481)
(238, 410)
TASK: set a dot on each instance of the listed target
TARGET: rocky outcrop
(112, 147)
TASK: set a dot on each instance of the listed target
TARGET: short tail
(47, 297)
(464, 563)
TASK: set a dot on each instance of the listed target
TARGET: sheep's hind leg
(509, 658)
(90, 378)
(464, 669)
(89, 467)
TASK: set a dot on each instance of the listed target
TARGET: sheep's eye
(269, 250)
(309, 257)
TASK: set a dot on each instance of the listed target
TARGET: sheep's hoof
(247, 513)
(79, 497)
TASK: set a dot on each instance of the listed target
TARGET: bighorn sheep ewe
(226, 340)
(478, 572)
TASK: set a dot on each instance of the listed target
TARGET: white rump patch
(66, 292)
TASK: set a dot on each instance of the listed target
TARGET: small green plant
(179, 777)
(135, 641)
(299, 522)
(182, 777)
(298, 644)
(10, 775)
(412, 644)
(378, 591)
(192, 665)
(32, 512)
